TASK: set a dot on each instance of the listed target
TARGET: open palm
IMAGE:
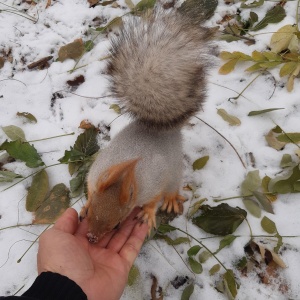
(101, 269)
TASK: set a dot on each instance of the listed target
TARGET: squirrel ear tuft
(115, 173)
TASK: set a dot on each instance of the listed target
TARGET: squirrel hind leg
(172, 202)
(148, 213)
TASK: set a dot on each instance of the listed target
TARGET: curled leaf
(281, 39)
(259, 112)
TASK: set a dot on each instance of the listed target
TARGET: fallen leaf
(268, 225)
(230, 284)
(286, 161)
(272, 140)
(228, 67)
(187, 292)
(200, 163)
(73, 50)
(76, 81)
(27, 116)
(116, 108)
(193, 250)
(274, 15)
(195, 266)
(251, 183)
(23, 151)
(133, 275)
(220, 220)
(264, 201)
(214, 269)
(54, 206)
(253, 207)
(289, 137)
(259, 112)
(204, 256)
(8, 176)
(232, 120)
(40, 63)
(37, 191)
(282, 38)
(14, 132)
(226, 241)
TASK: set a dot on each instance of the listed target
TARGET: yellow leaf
(254, 68)
(290, 83)
(272, 56)
(232, 120)
(287, 68)
(226, 55)
(281, 39)
(228, 67)
(258, 56)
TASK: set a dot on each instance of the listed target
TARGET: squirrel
(157, 69)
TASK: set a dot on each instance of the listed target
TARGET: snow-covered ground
(32, 91)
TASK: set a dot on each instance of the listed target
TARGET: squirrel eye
(117, 226)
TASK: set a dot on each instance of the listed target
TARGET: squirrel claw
(171, 203)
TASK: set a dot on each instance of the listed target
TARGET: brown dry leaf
(86, 124)
(273, 142)
(93, 2)
(39, 63)
(73, 50)
(155, 289)
(76, 81)
(2, 61)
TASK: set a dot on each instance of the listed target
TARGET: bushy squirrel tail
(158, 67)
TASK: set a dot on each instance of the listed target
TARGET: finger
(120, 236)
(68, 222)
(132, 247)
(82, 229)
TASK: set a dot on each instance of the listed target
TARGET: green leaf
(133, 275)
(89, 45)
(286, 161)
(220, 220)
(258, 56)
(28, 116)
(200, 163)
(271, 56)
(164, 228)
(253, 4)
(195, 266)
(204, 256)
(251, 183)
(264, 201)
(193, 250)
(287, 183)
(37, 191)
(177, 241)
(253, 207)
(274, 15)
(270, 64)
(226, 241)
(144, 5)
(254, 68)
(8, 176)
(54, 206)
(289, 137)
(116, 108)
(268, 225)
(14, 133)
(230, 284)
(187, 292)
(23, 151)
(232, 120)
(259, 112)
(214, 269)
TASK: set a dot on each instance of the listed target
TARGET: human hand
(99, 269)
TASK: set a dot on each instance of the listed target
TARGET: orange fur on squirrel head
(112, 200)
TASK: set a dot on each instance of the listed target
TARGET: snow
(32, 90)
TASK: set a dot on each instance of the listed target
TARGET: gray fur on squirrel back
(158, 68)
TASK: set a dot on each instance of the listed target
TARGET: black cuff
(53, 286)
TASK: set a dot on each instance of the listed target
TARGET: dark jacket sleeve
(51, 286)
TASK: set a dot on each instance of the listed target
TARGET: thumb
(68, 222)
